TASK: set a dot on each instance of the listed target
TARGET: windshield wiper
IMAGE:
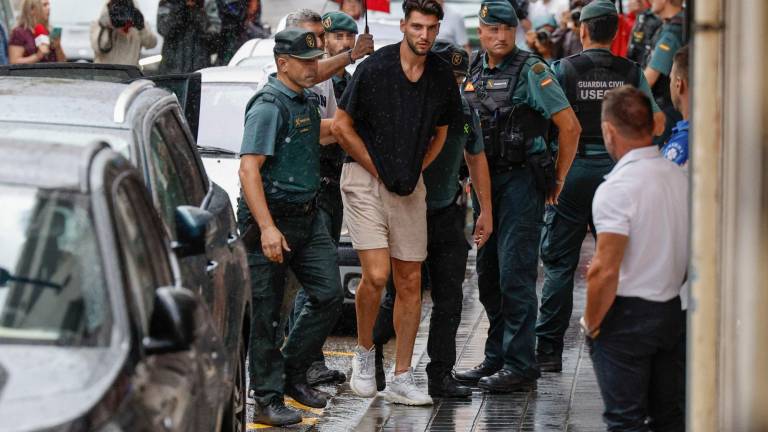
(215, 150)
(6, 276)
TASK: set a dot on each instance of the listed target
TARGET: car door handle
(212, 266)
(232, 239)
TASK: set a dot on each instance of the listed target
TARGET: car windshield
(78, 12)
(52, 286)
(222, 107)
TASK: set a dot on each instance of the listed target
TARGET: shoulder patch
(664, 47)
(546, 82)
(538, 68)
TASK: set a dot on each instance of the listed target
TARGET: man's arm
(603, 277)
(327, 68)
(481, 181)
(568, 141)
(272, 240)
(343, 128)
(326, 135)
(435, 146)
(651, 75)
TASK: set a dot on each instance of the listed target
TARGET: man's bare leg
(375, 269)
(407, 313)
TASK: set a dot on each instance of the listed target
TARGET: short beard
(413, 48)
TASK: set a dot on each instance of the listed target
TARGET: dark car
(145, 124)
(96, 331)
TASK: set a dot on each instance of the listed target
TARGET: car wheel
(235, 417)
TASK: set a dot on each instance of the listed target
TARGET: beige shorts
(379, 219)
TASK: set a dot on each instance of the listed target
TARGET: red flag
(378, 5)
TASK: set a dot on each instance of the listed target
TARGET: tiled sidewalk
(567, 401)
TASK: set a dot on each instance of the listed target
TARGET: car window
(145, 262)
(221, 114)
(167, 184)
(184, 157)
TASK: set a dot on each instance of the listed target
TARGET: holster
(543, 169)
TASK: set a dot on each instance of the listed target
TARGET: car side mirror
(191, 227)
(172, 326)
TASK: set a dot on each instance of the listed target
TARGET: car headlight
(351, 285)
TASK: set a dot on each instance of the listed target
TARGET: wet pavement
(567, 401)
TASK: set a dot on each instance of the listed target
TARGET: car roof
(70, 102)
(46, 163)
(230, 74)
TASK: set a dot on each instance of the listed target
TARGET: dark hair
(602, 29)
(427, 7)
(629, 110)
(681, 63)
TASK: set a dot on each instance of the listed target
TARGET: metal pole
(365, 13)
(704, 310)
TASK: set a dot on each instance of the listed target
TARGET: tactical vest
(586, 78)
(660, 89)
(640, 42)
(508, 130)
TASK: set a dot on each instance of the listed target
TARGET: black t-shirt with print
(396, 118)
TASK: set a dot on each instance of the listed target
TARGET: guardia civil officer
(667, 40)
(447, 247)
(279, 173)
(517, 98)
(340, 33)
(645, 27)
(585, 78)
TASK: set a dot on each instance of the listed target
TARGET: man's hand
(273, 243)
(483, 229)
(555, 194)
(363, 46)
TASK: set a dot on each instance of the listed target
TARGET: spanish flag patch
(665, 47)
(546, 82)
(469, 87)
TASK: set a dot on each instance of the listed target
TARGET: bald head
(627, 120)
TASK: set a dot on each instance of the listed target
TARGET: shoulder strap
(268, 94)
(516, 68)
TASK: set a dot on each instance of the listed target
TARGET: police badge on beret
(456, 59)
(327, 22)
(484, 11)
(310, 40)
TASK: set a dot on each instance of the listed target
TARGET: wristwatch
(351, 60)
(592, 334)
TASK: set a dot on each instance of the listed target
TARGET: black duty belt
(504, 168)
(291, 209)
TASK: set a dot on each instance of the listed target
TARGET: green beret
(597, 9)
(339, 22)
(452, 54)
(297, 43)
(495, 12)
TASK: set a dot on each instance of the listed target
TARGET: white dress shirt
(645, 197)
(452, 28)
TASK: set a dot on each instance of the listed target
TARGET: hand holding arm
(343, 129)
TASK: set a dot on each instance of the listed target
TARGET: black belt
(507, 167)
(291, 209)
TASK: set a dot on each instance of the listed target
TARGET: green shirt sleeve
(646, 89)
(262, 125)
(541, 90)
(474, 144)
(663, 53)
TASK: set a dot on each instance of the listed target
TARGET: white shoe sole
(395, 398)
(360, 393)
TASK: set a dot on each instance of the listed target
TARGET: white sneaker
(363, 381)
(403, 390)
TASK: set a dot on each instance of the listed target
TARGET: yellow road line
(339, 353)
(309, 421)
(297, 405)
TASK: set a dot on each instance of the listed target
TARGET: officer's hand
(483, 229)
(363, 46)
(273, 243)
(555, 194)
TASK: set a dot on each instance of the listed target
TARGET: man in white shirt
(632, 318)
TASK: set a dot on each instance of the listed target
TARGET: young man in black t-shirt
(392, 121)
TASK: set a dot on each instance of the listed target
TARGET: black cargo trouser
(274, 359)
(446, 265)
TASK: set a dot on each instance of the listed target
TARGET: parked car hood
(47, 386)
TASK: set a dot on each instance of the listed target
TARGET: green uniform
(285, 126)
(441, 177)
(507, 266)
(667, 40)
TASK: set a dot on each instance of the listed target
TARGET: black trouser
(636, 358)
(446, 264)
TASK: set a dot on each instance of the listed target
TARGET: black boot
(381, 378)
(448, 387)
(506, 381)
(276, 414)
(306, 395)
(549, 362)
(472, 376)
(318, 373)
